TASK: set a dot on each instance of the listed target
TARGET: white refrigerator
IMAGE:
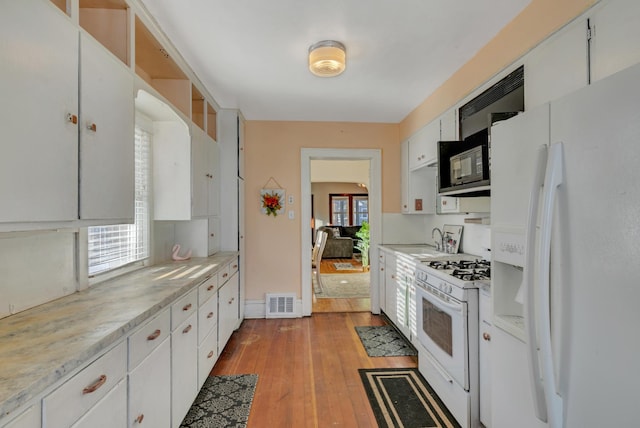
(565, 207)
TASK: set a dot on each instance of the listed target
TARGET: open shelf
(212, 124)
(107, 22)
(156, 67)
(197, 107)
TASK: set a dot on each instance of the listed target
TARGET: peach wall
(536, 22)
(272, 149)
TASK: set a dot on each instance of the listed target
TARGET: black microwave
(463, 165)
(466, 167)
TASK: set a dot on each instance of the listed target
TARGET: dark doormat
(384, 341)
(402, 398)
(223, 401)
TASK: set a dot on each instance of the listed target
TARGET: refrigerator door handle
(537, 385)
(553, 179)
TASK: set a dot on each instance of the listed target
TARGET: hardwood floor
(340, 305)
(307, 369)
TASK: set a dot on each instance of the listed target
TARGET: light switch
(292, 214)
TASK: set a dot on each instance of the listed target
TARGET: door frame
(374, 156)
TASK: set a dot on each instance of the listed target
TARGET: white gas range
(447, 327)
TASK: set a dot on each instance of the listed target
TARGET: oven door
(443, 331)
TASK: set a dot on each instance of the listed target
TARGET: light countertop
(42, 345)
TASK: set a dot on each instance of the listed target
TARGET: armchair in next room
(337, 247)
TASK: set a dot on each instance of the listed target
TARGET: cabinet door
(214, 178)
(448, 126)
(214, 235)
(615, 39)
(184, 368)
(381, 280)
(485, 358)
(39, 87)
(391, 301)
(404, 176)
(200, 172)
(110, 412)
(423, 146)
(150, 390)
(106, 135)
(228, 309)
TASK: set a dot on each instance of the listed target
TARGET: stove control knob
(450, 289)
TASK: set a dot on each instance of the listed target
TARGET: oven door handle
(458, 307)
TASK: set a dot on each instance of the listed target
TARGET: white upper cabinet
(423, 148)
(106, 135)
(557, 67)
(67, 123)
(448, 126)
(38, 114)
(615, 37)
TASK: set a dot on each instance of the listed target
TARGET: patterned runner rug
(223, 401)
(384, 341)
(403, 398)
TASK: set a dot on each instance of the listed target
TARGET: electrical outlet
(290, 199)
(292, 215)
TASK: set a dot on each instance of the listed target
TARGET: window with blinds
(114, 246)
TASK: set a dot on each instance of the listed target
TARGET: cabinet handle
(210, 315)
(187, 307)
(381, 268)
(154, 335)
(486, 336)
(187, 329)
(232, 299)
(210, 354)
(72, 118)
(92, 127)
(139, 419)
(393, 276)
(212, 234)
(224, 275)
(209, 288)
(95, 385)
(235, 266)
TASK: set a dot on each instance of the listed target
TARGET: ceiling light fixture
(327, 58)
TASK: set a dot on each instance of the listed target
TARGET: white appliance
(566, 246)
(447, 330)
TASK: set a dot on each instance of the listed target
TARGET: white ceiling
(252, 54)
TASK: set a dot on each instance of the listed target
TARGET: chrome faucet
(439, 245)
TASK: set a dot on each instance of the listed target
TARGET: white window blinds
(114, 246)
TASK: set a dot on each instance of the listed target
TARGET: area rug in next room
(384, 341)
(344, 266)
(402, 398)
(223, 401)
(349, 286)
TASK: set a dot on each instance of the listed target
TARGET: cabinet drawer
(233, 267)
(207, 317)
(71, 400)
(29, 419)
(147, 338)
(207, 356)
(184, 307)
(110, 412)
(207, 289)
(223, 275)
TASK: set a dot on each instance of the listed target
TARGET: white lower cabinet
(150, 389)
(31, 418)
(485, 356)
(184, 368)
(83, 391)
(228, 296)
(109, 412)
(207, 356)
(390, 279)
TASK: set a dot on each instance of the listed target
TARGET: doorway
(375, 213)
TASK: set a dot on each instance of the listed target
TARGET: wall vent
(280, 305)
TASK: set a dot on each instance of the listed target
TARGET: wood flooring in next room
(307, 369)
(327, 266)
